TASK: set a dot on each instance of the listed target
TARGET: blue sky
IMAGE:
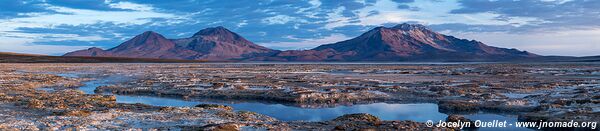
(548, 27)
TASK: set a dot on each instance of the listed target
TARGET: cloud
(14, 30)
(243, 23)
(315, 3)
(299, 43)
(131, 6)
(281, 19)
(429, 12)
(20, 45)
(53, 37)
(16, 8)
(551, 13)
(557, 42)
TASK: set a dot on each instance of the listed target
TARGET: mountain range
(403, 42)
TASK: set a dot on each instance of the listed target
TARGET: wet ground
(300, 96)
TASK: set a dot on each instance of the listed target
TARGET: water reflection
(416, 112)
(489, 117)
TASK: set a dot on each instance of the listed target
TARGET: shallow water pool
(420, 112)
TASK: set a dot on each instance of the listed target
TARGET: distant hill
(567, 59)
(588, 59)
(7, 57)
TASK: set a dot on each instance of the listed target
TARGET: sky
(54, 27)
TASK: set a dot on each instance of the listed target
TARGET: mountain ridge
(403, 42)
(216, 44)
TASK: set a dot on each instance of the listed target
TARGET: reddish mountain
(208, 44)
(219, 43)
(403, 42)
(150, 45)
(146, 45)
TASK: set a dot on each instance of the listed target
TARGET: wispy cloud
(131, 6)
(309, 43)
(21, 45)
(281, 19)
(16, 39)
(430, 12)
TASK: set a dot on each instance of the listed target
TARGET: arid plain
(237, 95)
